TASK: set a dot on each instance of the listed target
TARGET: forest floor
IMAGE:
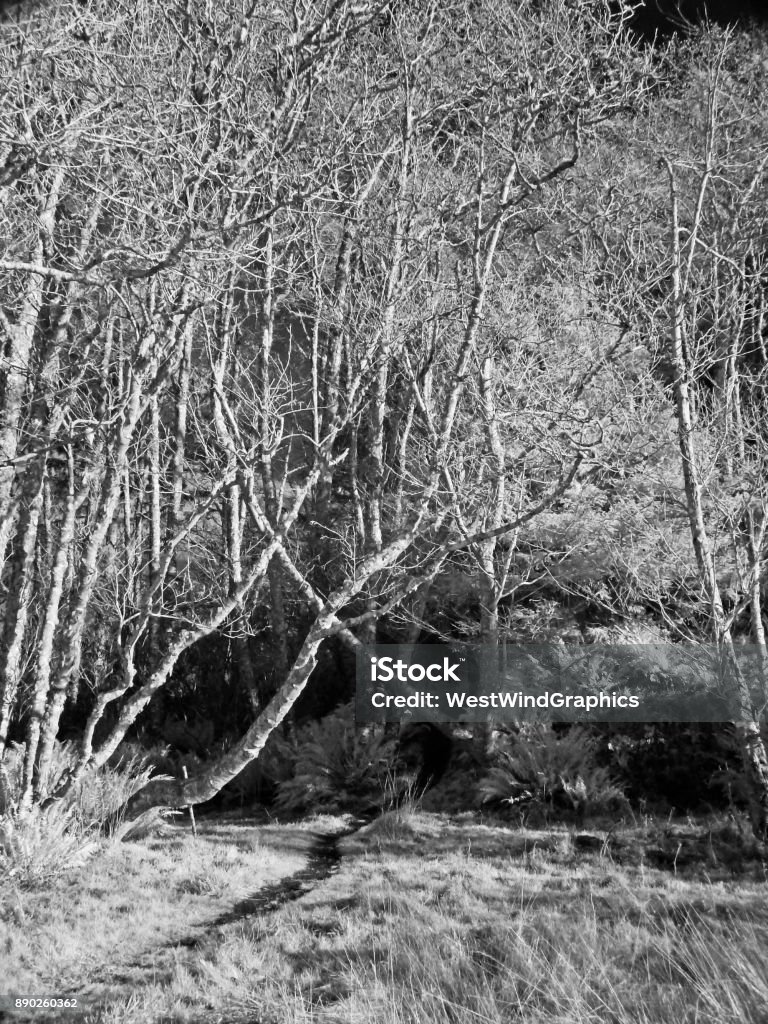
(426, 918)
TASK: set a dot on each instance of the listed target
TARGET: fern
(335, 766)
(39, 845)
(552, 770)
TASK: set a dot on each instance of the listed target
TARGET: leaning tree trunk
(209, 782)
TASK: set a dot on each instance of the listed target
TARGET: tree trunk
(18, 603)
(753, 750)
(17, 364)
(42, 676)
(75, 623)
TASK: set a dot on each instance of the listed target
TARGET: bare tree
(692, 279)
(257, 269)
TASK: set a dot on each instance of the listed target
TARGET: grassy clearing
(104, 927)
(434, 919)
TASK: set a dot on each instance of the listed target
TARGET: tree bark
(18, 603)
(17, 365)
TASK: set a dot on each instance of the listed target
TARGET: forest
(330, 323)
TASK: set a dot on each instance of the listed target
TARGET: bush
(37, 844)
(689, 766)
(40, 844)
(99, 798)
(11, 771)
(552, 771)
(335, 766)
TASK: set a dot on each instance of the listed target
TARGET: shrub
(99, 798)
(11, 770)
(36, 844)
(335, 765)
(689, 766)
(40, 844)
(553, 771)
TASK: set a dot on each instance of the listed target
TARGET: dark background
(663, 17)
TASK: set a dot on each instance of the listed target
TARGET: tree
(270, 287)
(697, 271)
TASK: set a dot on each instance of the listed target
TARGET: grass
(38, 845)
(100, 929)
(430, 919)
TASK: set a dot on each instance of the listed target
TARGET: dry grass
(37, 846)
(449, 921)
(103, 928)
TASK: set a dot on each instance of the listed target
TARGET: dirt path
(158, 964)
(182, 893)
(324, 859)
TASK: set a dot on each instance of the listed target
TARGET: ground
(427, 918)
